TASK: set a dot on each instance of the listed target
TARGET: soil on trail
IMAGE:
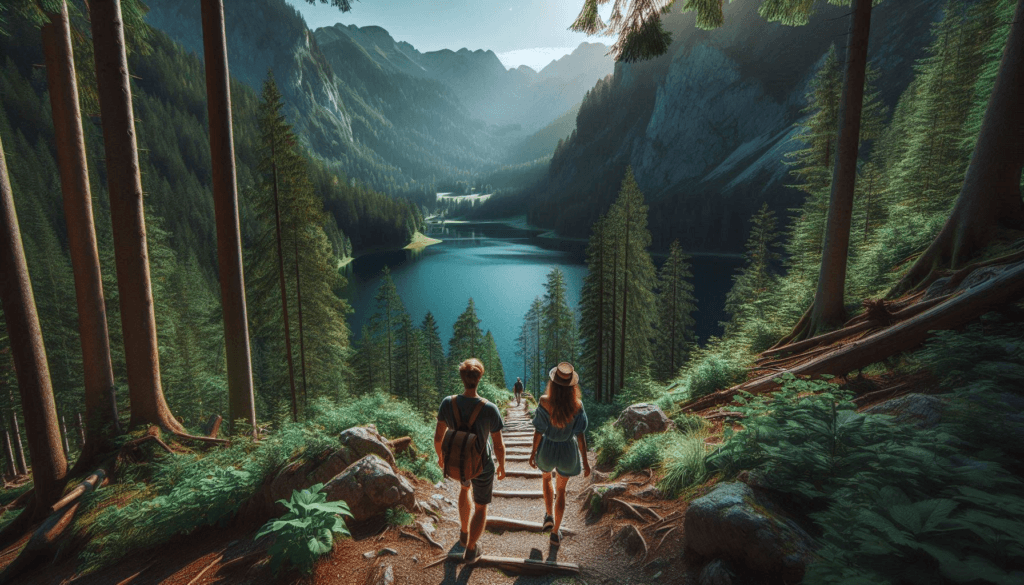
(221, 556)
(586, 541)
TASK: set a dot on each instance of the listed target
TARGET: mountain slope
(707, 125)
(492, 94)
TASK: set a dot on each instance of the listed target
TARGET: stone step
(500, 523)
(516, 457)
(517, 494)
(523, 472)
(529, 566)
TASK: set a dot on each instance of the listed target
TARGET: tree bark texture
(131, 253)
(98, 375)
(241, 401)
(48, 462)
(829, 299)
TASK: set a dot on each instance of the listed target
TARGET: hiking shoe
(549, 522)
(463, 539)
(556, 538)
(470, 557)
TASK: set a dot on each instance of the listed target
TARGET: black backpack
(463, 457)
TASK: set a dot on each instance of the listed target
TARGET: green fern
(306, 531)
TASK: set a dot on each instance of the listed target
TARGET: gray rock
(425, 526)
(643, 419)
(381, 575)
(629, 538)
(717, 572)
(650, 492)
(735, 523)
(923, 409)
(596, 497)
(369, 487)
(359, 442)
(598, 477)
(370, 554)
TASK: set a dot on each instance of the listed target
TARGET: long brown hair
(564, 402)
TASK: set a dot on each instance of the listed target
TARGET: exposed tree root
(670, 530)
(20, 501)
(951, 312)
(629, 509)
(838, 334)
(798, 332)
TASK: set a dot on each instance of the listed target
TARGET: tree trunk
(600, 317)
(12, 469)
(625, 290)
(131, 254)
(298, 302)
(19, 450)
(612, 307)
(49, 465)
(81, 430)
(829, 301)
(284, 290)
(990, 199)
(100, 397)
(64, 436)
(241, 401)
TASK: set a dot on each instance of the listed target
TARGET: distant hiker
(559, 442)
(518, 389)
(463, 452)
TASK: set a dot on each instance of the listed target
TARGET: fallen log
(100, 477)
(901, 315)
(952, 312)
(529, 566)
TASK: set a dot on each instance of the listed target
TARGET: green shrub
(898, 503)
(307, 530)
(692, 425)
(683, 464)
(396, 517)
(424, 466)
(711, 373)
(498, 396)
(645, 453)
(609, 442)
(639, 388)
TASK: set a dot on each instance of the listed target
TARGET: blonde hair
(564, 402)
(471, 371)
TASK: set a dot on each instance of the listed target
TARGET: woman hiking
(559, 443)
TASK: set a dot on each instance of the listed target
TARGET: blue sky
(530, 32)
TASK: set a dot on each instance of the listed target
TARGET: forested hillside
(705, 124)
(175, 155)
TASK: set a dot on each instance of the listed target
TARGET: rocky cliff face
(707, 125)
(502, 97)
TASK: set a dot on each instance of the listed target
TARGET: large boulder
(369, 487)
(923, 410)
(643, 419)
(734, 522)
(358, 442)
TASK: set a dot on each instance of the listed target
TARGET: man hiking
(477, 417)
(518, 389)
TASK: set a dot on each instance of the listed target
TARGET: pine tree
(495, 371)
(467, 338)
(559, 340)
(676, 304)
(530, 341)
(385, 322)
(435, 356)
(636, 309)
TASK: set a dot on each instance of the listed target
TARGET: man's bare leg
(465, 508)
(476, 526)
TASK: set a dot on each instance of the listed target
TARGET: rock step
(517, 494)
(516, 457)
(530, 566)
(523, 472)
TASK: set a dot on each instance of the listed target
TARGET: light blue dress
(558, 448)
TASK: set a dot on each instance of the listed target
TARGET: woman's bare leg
(560, 483)
(548, 493)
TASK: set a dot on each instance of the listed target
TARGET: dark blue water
(503, 269)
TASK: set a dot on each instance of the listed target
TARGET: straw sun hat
(564, 374)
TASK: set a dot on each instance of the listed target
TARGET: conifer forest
(737, 289)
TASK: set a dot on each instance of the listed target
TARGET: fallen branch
(647, 509)
(952, 312)
(864, 398)
(669, 518)
(100, 477)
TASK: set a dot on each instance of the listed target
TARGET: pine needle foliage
(307, 530)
